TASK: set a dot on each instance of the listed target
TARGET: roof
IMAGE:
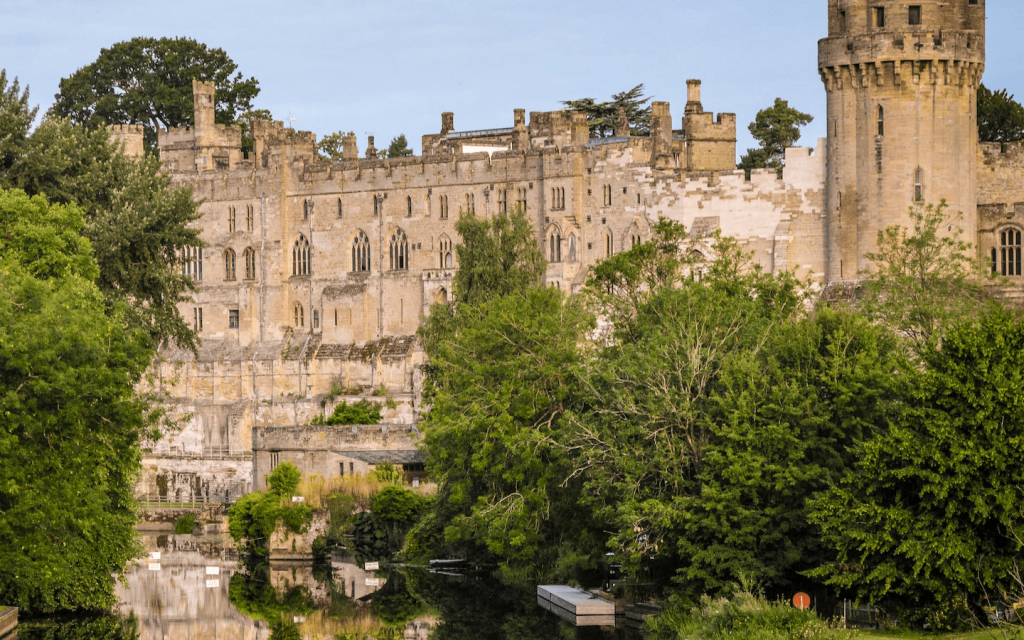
(405, 456)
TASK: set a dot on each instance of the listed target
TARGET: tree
(1000, 117)
(16, 117)
(255, 517)
(924, 278)
(331, 146)
(148, 81)
(70, 420)
(601, 116)
(929, 524)
(399, 147)
(777, 128)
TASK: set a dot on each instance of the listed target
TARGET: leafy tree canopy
(16, 117)
(332, 145)
(70, 421)
(777, 128)
(601, 116)
(1000, 117)
(399, 147)
(362, 412)
(148, 81)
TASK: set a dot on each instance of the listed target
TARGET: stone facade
(317, 273)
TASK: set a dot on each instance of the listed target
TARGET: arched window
(572, 247)
(609, 244)
(192, 263)
(339, 207)
(918, 185)
(444, 246)
(408, 206)
(399, 251)
(555, 246)
(442, 207)
(300, 257)
(881, 121)
(377, 205)
(1010, 252)
(470, 203)
(305, 209)
(231, 219)
(361, 253)
(442, 296)
(300, 316)
(249, 258)
(229, 265)
(248, 217)
(634, 237)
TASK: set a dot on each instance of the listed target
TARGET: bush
(388, 473)
(362, 412)
(284, 480)
(398, 505)
(745, 617)
(185, 524)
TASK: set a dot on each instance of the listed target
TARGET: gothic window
(300, 316)
(249, 258)
(572, 248)
(339, 207)
(408, 206)
(607, 195)
(192, 263)
(446, 260)
(249, 217)
(558, 198)
(399, 251)
(361, 253)
(918, 185)
(521, 199)
(555, 246)
(609, 244)
(229, 265)
(1010, 252)
(470, 203)
(502, 200)
(306, 206)
(634, 237)
(915, 15)
(300, 257)
(881, 121)
(443, 207)
(231, 219)
(377, 205)
(316, 318)
(197, 318)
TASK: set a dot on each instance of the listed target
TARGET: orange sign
(801, 601)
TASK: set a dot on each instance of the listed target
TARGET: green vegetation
(185, 524)
(399, 147)
(1000, 117)
(601, 116)
(148, 81)
(362, 412)
(777, 128)
(256, 516)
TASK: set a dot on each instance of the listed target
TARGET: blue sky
(392, 66)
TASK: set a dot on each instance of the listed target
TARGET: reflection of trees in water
(251, 592)
(106, 626)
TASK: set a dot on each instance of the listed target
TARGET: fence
(206, 453)
(190, 499)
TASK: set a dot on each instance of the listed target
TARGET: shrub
(185, 524)
(744, 617)
(388, 473)
(397, 505)
(362, 412)
(284, 479)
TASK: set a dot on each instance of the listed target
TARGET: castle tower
(901, 81)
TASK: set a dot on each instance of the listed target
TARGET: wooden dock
(577, 606)
(8, 622)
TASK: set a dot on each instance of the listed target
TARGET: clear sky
(386, 67)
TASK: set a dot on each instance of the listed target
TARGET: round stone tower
(901, 80)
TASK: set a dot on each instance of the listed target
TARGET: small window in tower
(918, 185)
(915, 15)
(881, 121)
(972, 2)
(232, 318)
(879, 17)
(842, 22)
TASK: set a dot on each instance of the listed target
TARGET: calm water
(198, 591)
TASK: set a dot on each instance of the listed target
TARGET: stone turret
(131, 137)
(901, 82)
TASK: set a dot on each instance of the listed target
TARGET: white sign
(298, 619)
(154, 566)
(154, 555)
(213, 571)
(372, 566)
(298, 499)
(212, 584)
(373, 582)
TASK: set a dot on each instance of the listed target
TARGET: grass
(315, 489)
(990, 634)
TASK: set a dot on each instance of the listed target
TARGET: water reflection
(200, 591)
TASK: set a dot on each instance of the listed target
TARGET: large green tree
(1000, 117)
(399, 147)
(70, 421)
(602, 116)
(777, 128)
(930, 523)
(137, 221)
(16, 117)
(148, 81)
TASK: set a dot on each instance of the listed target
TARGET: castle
(316, 273)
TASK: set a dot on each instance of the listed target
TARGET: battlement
(863, 16)
(952, 49)
(130, 136)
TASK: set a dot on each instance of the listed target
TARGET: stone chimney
(580, 130)
(447, 122)
(371, 151)
(693, 104)
(622, 124)
(349, 148)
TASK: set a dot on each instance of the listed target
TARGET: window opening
(249, 258)
(502, 200)
(305, 209)
(229, 265)
(376, 205)
(300, 319)
(197, 318)
(301, 257)
(918, 185)
(316, 318)
(192, 263)
(881, 120)
(361, 253)
(408, 206)
(399, 251)
(555, 246)
(470, 203)
(608, 244)
(521, 199)
(915, 15)
(572, 248)
(339, 207)
(1010, 252)
(607, 195)
(879, 17)
(443, 207)
(445, 251)
(232, 318)
(231, 219)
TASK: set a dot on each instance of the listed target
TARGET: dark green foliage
(255, 516)
(362, 412)
(185, 524)
(743, 617)
(148, 81)
(370, 537)
(397, 505)
(70, 421)
(601, 116)
(98, 626)
(399, 147)
(932, 517)
(1000, 117)
(16, 117)
(777, 128)
(251, 592)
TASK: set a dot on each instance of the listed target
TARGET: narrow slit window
(881, 120)
(914, 16)
(918, 185)
(879, 17)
